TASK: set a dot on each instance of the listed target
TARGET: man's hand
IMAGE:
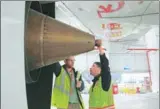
(79, 83)
(101, 50)
(98, 44)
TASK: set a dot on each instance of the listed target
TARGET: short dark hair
(98, 64)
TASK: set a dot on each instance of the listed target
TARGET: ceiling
(135, 17)
(86, 13)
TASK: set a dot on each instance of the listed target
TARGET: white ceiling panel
(86, 13)
(133, 24)
(83, 15)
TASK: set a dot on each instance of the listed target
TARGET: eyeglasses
(71, 60)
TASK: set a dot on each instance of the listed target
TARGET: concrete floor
(138, 101)
(142, 101)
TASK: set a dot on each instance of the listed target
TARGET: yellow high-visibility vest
(100, 99)
(61, 91)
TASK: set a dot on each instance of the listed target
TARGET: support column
(154, 62)
(152, 41)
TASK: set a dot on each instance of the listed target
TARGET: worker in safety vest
(67, 87)
(100, 94)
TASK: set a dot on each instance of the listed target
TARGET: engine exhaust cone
(48, 40)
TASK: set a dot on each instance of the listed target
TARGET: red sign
(115, 89)
(113, 31)
(112, 26)
(109, 8)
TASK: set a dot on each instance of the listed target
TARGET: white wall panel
(136, 62)
(13, 89)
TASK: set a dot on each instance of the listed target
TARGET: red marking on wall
(109, 8)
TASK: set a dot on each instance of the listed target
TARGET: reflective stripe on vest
(78, 76)
(61, 86)
(106, 107)
(111, 107)
(61, 90)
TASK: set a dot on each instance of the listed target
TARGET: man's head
(95, 69)
(69, 62)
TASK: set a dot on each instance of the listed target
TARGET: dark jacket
(105, 74)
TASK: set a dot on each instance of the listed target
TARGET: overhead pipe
(145, 49)
(124, 53)
(119, 40)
